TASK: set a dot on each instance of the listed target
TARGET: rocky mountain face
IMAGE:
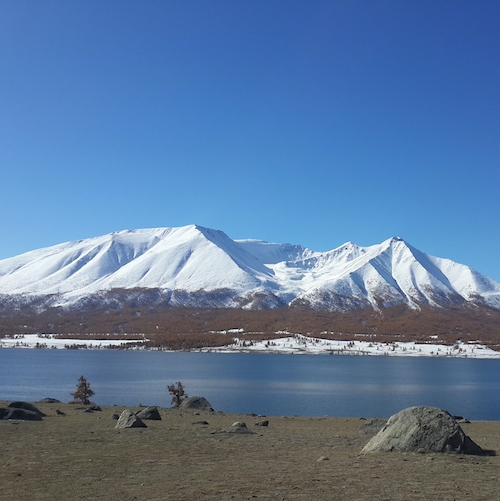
(201, 267)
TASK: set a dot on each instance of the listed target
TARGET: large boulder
(28, 407)
(150, 412)
(198, 403)
(128, 419)
(422, 429)
(21, 414)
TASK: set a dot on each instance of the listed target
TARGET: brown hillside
(186, 328)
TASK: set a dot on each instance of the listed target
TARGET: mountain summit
(198, 266)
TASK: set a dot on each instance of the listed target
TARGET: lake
(307, 385)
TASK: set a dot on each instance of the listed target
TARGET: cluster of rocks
(421, 429)
(129, 419)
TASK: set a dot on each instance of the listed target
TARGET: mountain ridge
(194, 266)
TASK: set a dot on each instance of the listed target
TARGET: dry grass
(81, 456)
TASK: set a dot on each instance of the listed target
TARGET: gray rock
(115, 416)
(129, 420)
(265, 422)
(48, 400)
(21, 414)
(422, 429)
(27, 406)
(199, 403)
(238, 427)
(372, 427)
(150, 412)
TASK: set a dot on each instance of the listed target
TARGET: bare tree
(177, 392)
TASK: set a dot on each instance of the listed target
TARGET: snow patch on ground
(299, 344)
(296, 344)
(49, 341)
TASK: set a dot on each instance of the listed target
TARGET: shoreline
(107, 410)
(296, 344)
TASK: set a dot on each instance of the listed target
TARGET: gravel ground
(81, 456)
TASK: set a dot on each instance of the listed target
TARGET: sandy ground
(81, 456)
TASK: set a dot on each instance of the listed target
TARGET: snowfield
(50, 342)
(189, 262)
(301, 345)
(296, 344)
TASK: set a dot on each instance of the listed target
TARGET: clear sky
(308, 122)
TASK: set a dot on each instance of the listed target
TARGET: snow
(193, 258)
(298, 344)
(295, 344)
(51, 342)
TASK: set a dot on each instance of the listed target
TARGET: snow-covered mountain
(197, 266)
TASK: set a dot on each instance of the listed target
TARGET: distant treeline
(189, 328)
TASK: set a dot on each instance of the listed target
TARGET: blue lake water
(307, 385)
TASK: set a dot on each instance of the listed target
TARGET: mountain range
(197, 266)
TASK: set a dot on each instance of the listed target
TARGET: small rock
(49, 400)
(238, 427)
(265, 422)
(323, 458)
(372, 427)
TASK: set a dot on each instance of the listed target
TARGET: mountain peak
(194, 265)
(394, 240)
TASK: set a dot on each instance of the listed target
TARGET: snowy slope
(187, 258)
(190, 262)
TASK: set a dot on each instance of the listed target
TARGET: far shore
(294, 344)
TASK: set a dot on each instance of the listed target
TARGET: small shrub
(177, 392)
(83, 392)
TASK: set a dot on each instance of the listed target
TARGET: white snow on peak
(193, 258)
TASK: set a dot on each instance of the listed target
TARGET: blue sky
(313, 123)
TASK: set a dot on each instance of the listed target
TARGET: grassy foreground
(81, 456)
